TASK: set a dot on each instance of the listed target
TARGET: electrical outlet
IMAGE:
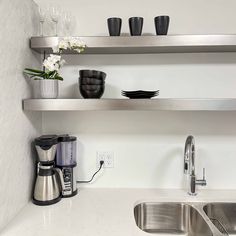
(107, 157)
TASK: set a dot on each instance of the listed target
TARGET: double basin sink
(190, 219)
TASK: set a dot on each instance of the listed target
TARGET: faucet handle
(202, 181)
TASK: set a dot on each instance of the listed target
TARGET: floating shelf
(162, 104)
(144, 44)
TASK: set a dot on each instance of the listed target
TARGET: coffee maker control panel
(68, 181)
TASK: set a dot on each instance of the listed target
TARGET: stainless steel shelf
(162, 104)
(144, 44)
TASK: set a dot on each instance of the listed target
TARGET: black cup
(162, 24)
(135, 25)
(114, 26)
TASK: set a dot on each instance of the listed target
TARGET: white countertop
(99, 212)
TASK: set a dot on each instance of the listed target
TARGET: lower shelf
(162, 104)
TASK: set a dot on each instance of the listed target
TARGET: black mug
(136, 25)
(162, 24)
(114, 26)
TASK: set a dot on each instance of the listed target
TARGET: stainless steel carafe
(49, 183)
(48, 186)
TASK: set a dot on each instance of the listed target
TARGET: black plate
(140, 96)
(140, 92)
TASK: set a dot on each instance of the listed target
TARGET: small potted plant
(49, 77)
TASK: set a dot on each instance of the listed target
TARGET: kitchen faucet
(189, 167)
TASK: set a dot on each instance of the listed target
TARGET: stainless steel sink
(223, 216)
(171, 218)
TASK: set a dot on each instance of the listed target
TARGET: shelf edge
(160, 104)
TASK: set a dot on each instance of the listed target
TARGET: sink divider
(215, 231)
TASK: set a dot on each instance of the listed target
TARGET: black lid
(67, 166)
(66, 138)
(46, 140)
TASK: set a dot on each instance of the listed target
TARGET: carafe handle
(59, 172)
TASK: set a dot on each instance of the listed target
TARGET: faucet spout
(189, 166)
(189, 156)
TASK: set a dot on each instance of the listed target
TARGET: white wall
(17, 128)
(187, 16)
(148, 146)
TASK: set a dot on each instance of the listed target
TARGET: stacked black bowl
(91, 83)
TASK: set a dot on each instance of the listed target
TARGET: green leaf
(36, 77)
(34, 70)
(58, 78)
(51, 73)
(29, 73)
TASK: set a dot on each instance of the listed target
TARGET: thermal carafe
(49, 183)
(48, 186)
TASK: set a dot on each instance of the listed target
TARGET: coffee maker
(49, 183)
(66, 162)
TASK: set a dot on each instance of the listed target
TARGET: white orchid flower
(56, 67)
(63, 44)
(55, 49)
(54, 58)
(52, 62)
(70, 43)
(78, 50)
(48, 65)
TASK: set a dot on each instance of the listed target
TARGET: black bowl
(87, 87)
(92, 93)
(91, 81)
(92, 74)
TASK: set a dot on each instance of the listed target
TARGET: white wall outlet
(107, 157)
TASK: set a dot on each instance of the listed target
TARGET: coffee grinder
(66, 161)
(49, 183)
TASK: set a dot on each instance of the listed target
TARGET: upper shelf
(144, 44)
(161, 104)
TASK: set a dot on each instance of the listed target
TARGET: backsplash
(148, 147)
